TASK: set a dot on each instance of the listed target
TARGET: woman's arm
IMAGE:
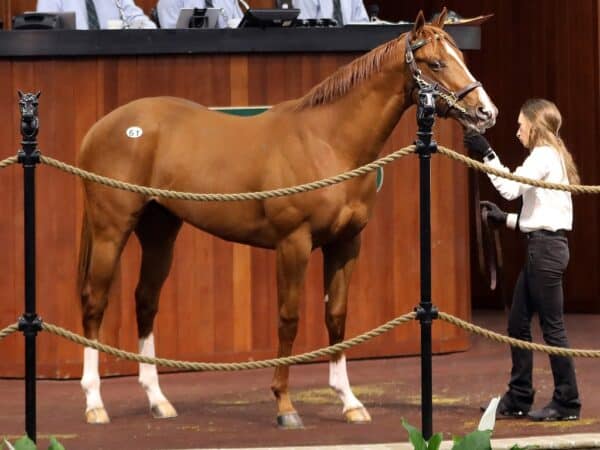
(535, 167)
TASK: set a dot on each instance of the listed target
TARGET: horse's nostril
(483, 113)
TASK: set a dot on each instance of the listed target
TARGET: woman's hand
(477, 144)
(494, 213)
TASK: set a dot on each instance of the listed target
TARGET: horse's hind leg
(100, 252)
(338, 262)
(292, 258)
(157, 230)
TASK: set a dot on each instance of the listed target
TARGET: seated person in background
(343, 11)
(95, 14)
(168, 11)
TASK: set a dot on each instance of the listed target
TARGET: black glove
(494, 213)
(477, 144)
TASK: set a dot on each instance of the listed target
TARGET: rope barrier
(574, 188)
(9, 330)
(517, 342)
(308, 356)
(220, 197)
(319, 184)
(229, 367)
(260, 195)
(8, 162)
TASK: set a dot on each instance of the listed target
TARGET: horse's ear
(20, 94)
(441, 18)
(419, 22)
(37, 95)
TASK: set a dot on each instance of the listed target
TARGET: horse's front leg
(338, 262)
(292, 258)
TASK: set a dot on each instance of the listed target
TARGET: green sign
(379, 179)
(244, 111)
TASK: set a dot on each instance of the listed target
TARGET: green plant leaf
(415, 436)
(24, 443)
(54, 444)
(477, 440)
(435, 442)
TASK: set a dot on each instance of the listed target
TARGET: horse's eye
(436, 65)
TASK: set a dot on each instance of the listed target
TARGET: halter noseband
(450, 97)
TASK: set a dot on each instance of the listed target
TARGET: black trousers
(539, 289)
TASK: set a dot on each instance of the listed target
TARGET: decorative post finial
(28, 105)
(425, 119)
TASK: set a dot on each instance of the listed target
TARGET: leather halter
(450, 97)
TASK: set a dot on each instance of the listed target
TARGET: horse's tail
(85, 249)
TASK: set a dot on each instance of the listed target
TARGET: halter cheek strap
(450, 97)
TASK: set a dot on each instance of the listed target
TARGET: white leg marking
(326, 298)
(149, 374)
(90, 381)
(484, 99)
(338, 381)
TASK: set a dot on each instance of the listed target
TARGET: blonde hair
(545, 120)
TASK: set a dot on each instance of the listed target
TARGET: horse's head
(434, 59)
(28, 104)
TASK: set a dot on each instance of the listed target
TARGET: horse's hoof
(357, 415)
(163, 410)
(97, 416)
(289, 421)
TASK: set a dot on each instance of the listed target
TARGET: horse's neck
(359, 123)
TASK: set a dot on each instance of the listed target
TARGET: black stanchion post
(29, 323)
(426, 312)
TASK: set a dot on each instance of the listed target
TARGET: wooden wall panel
(220, 301)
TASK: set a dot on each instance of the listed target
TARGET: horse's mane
(361, 69)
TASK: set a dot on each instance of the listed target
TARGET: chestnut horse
(173, 143)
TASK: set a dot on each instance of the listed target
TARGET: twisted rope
(319, 184)
(216, 197)
(229, 367)
(8, 162)
(9, 330)
(517, 342)
(574, 188)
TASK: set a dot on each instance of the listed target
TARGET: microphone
(373, 12)
(244, 4)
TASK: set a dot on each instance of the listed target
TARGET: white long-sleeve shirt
(168, 10)
(352, 10)
(543, 209)
(106, 10)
